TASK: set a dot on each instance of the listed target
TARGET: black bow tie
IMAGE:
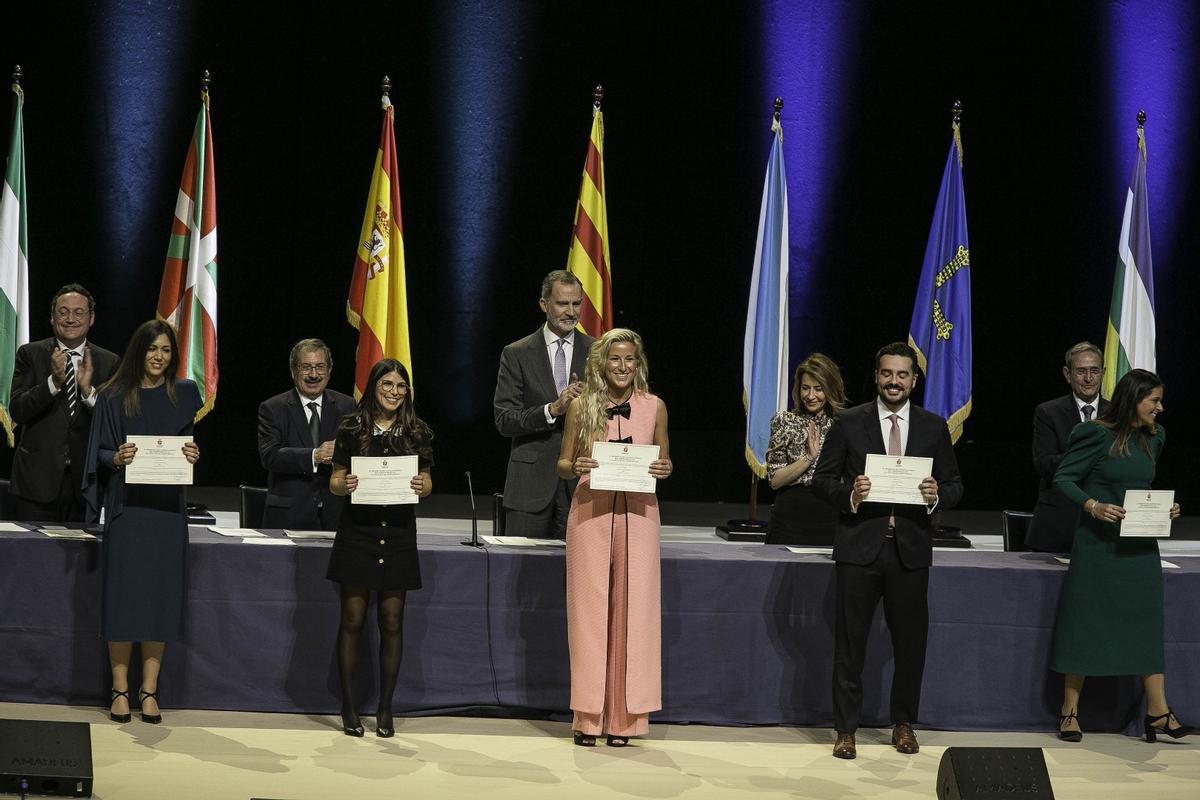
(622, 410)
(626, 440)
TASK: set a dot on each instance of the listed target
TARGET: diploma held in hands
(1147, 513)
(383, 480)
(623, 467)
(159, 460)
(897, 479)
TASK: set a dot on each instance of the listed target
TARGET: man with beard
(538, 379)
(53, 392)
(1052, 529)
(296, 432)
(883, 550)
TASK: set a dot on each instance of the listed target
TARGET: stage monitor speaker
(993, 773)
(52, 758)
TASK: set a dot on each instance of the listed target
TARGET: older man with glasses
(296, 431)
(1052, 529)
(53, 391)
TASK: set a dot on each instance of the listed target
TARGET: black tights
(390, 615)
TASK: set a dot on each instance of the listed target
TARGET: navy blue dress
(145, 527)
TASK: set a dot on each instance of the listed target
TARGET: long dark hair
(126, 381)
(1121, 414)
(408, 435)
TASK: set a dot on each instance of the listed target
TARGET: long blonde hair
(593, 422)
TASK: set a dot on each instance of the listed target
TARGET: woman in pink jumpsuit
(613, 609)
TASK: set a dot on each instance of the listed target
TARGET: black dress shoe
(118, 717)
(584, 739)
(153, 719)
(1153, 730)
(617, 741)
(384, 728)
(1069, 735)
(351, 724)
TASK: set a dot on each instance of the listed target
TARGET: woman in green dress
(1110, 615)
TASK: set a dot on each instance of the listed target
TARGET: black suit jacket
(859, 536)
(285, 449)
(1052, 529)
(47, 434)
(524, 385)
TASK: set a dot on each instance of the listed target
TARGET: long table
(747, 634)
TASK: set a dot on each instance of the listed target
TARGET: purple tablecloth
(747, 635)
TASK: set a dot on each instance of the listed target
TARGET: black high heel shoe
(153, 719)
(617, 741)
(1069, 736)
(351, 724)
(118, 717)
(1153, 730)
(384, 728)
(585, 739)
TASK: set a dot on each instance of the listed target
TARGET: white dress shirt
(1080, 403)
(551, 339)
(76, 360)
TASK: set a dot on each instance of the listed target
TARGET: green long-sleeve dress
(1110, 613)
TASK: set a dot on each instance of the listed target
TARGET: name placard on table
(897, 479)
(1147, 512)
(383, 480)
(623, 467)
(159, 461)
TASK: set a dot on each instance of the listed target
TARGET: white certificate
(1147, 513)
(383, 480)
(897, 479)
(623, 467)
(159, 460)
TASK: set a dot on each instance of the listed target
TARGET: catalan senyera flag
(187, 299)
(588, 258)
(378, 303)
(14, 263)
(765, 352)
(940, 331)
(1129, 342)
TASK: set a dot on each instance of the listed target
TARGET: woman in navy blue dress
(376, 545)
(145, 526)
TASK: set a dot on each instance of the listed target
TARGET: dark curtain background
(493, 109)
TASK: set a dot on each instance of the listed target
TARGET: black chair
(254, 506)
(497, 515)
(1016, 523)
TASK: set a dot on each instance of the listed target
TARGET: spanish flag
(588, 257)
(378, 302)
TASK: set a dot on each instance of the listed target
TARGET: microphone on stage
(474, 540)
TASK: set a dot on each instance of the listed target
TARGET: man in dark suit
(296, 432)
(538, 379)
(53, 392)
(881, 549)
(1052, 529)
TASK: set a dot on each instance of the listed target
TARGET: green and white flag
(14, 264)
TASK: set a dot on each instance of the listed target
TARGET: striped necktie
(72, 390)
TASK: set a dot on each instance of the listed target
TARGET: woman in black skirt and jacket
(376, 545)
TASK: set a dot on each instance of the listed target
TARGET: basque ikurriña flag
(1129, 341)
(765, 351)
(187, 298)
(940, 331)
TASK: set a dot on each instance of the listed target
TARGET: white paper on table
(66, 533)
(11, 527)
(802, 551)
(267, 540)
(897, 479)
(240, 533)
(1147, 513)
(522, 541)
(311, 534)
(159, 461)
(623, 467)
(1165, 564)
(383, 480)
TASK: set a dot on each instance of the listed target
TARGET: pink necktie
(894, 450)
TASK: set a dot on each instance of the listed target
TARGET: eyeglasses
(388, 386)
(1084, 372)
(315, 369)
(71, 313)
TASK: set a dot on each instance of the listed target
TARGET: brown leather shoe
(904, 740)
(844, 747)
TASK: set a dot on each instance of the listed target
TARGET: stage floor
(212, 755)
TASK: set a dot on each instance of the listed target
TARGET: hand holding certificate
(897, 479)
(623, 467)
(158, 460)
(383, 480)
(1147, 513)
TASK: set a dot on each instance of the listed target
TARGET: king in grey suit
(53, 391)
(536, 382)
(1052, 529)
(298, 463)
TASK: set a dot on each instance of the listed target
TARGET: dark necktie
(1087, 412)
(621, 410)
(72, 389)
(314, 423)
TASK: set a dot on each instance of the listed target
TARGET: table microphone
(474, 540)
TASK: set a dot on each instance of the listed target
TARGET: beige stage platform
(211, 755)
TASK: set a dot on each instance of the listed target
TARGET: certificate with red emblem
(383, 480)
(623, 467)
(159, 460)
(897, 479)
